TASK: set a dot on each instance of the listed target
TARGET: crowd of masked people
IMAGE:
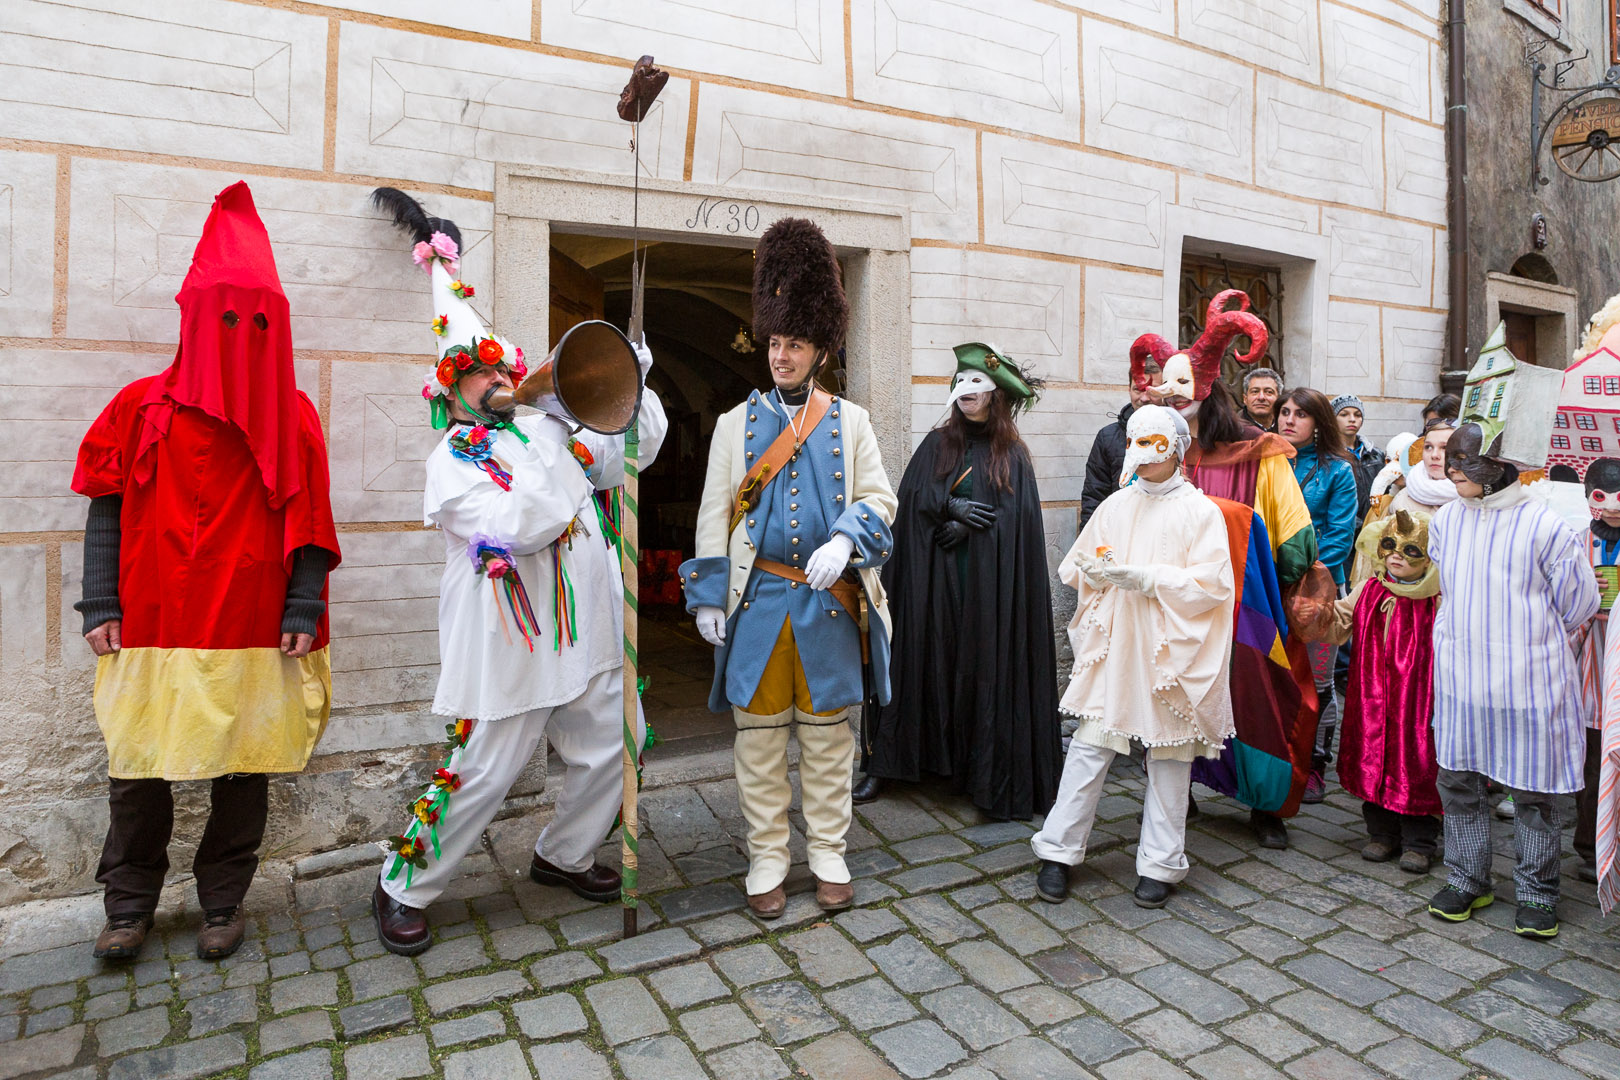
(1205, 511)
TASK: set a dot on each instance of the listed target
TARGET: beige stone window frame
(1558, 323)
(1301, 257)
(873, 242)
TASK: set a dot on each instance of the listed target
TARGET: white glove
(711, 625)
(1140, 578)
(554, 430)
(643, 357)
(1091, 568)
(827, 562)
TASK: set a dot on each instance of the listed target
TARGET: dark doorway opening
(699, 315)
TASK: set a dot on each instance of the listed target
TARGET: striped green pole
(629, 545)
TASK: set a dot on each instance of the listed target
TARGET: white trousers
(1161, 853)
(588, 735)
(826, 775)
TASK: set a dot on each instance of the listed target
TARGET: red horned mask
(1191, 372)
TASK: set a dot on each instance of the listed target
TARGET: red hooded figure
(206, 552)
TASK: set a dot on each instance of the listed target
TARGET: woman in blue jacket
(1326, 472)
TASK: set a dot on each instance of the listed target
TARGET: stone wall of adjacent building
(1583, 249)
(1056, 160)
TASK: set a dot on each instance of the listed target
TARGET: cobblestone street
(1308, 963)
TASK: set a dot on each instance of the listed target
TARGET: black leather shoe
(869, 788)
(1268, 829)
(596, 882)
(1052, 882)
(402, 930)
(1151, 893)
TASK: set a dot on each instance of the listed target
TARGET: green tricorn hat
(981, 367)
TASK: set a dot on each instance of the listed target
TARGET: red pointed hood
(235, 360)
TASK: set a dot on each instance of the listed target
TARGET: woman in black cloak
(974, 664)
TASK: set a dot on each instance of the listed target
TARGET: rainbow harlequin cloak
(1273, 691)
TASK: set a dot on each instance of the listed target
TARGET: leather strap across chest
(776, 455)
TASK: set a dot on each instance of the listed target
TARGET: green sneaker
(1454, 905)
(1536, 920)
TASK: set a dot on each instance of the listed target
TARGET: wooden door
(576, 295)
(1521, 335)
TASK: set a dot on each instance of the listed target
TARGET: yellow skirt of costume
(194, 714)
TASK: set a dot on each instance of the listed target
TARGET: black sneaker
(1052, 882)
(1587, 872)
(1454, 905)
(1536, 920)
(1151, 893)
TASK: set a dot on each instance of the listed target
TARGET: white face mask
(1153, 434)
(969, 382)
(1178, 379)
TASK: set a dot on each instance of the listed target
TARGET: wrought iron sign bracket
(1583, 130)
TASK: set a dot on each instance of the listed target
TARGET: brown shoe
(597, 883)
(221, 933)
(768, 905)
(122, 937)
(402, 930)
(831, 897)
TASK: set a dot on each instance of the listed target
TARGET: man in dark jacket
(1107, 455)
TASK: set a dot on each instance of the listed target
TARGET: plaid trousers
(1536, 835)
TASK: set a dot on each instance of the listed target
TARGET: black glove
(976, 514)
(948, 534)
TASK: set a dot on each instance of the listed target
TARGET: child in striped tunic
(1507, 686)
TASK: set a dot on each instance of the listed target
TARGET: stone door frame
(874, 243)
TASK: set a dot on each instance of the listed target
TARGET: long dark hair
(1218, 419)
(1329, 441)
(1005, 442)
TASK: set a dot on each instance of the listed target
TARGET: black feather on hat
(798, 287)
(409, 215)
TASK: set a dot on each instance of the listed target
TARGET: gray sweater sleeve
(101, 538)
(304, 603)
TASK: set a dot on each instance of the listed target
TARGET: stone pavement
(1307, 963)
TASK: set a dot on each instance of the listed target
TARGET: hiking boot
(122, 937)
(1052, 882)
(1379, 851)
(1536, 920)
(1315, 788)
(221, 933)
(1416, 862)
(1151, 893)
(1454, 905)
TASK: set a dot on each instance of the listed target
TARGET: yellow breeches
(783, 686)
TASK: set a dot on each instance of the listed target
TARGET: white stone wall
(1055, 160)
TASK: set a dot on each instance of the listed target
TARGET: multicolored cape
(1273, 692)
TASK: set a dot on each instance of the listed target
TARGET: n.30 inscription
(724, 216)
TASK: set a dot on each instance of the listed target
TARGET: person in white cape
(1152, 639)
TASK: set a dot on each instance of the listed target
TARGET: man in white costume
(1152, 638)
(530, 612)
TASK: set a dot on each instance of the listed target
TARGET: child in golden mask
(1386, 748)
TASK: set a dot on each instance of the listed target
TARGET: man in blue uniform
(793, 527)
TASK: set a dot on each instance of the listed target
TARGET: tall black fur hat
(798, 287)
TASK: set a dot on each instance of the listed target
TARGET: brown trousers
(136, 854)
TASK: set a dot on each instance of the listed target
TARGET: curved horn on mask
(1148, 346)
(1221, 326)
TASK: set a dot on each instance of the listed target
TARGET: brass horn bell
(592, 377)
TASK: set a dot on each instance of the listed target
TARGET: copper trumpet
(592, 377)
